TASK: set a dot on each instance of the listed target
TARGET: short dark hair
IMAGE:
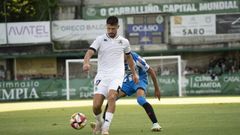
(112, 20)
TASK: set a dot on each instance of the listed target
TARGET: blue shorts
(129, 87)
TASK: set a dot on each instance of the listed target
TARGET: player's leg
(143, 102)
(112, 96)
(120, 95)
(105, 110)
(97, 105)
(124, 91)
(114, 87)
(148, 108)
(100, 92)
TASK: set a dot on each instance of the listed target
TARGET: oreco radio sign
(28, 32)
(72, 30)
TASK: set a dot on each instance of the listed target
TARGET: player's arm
(86, 63)
(157, 92)
(132, 67)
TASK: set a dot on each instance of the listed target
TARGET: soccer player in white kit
(111, 49)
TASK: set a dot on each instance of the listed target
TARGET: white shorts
(102, 84)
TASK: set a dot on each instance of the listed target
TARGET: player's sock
(99, 122)
(106, 107)
(98, 117)
(149, 110)
(107, 121)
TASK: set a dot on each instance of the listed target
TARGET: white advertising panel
(72, 30)
(193, 25)
(3, 37)
(29, 32)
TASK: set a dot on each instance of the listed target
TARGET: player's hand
(157, 93)
(86, 67)
(135, 78)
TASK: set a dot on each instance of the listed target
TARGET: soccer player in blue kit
(129, 88)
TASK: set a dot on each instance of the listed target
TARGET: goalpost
(174, 63)
(79, 69)
(168, 69)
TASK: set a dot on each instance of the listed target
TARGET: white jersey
(111, 54)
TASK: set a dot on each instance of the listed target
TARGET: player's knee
(96, 106)
(141, 100)
(112, 98)
(96, 109)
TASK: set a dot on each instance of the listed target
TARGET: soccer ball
(78, 121)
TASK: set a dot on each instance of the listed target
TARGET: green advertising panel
(207, 85)
(168, 86)
(55, 89)
(52, 89)
(31, 90)
(81, 88)
(206, 6)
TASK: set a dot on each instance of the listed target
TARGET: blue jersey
(141, 67)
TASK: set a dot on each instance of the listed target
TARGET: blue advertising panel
(145, 32)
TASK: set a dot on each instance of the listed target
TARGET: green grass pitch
(201, 119)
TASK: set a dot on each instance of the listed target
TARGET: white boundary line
(17, 106)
